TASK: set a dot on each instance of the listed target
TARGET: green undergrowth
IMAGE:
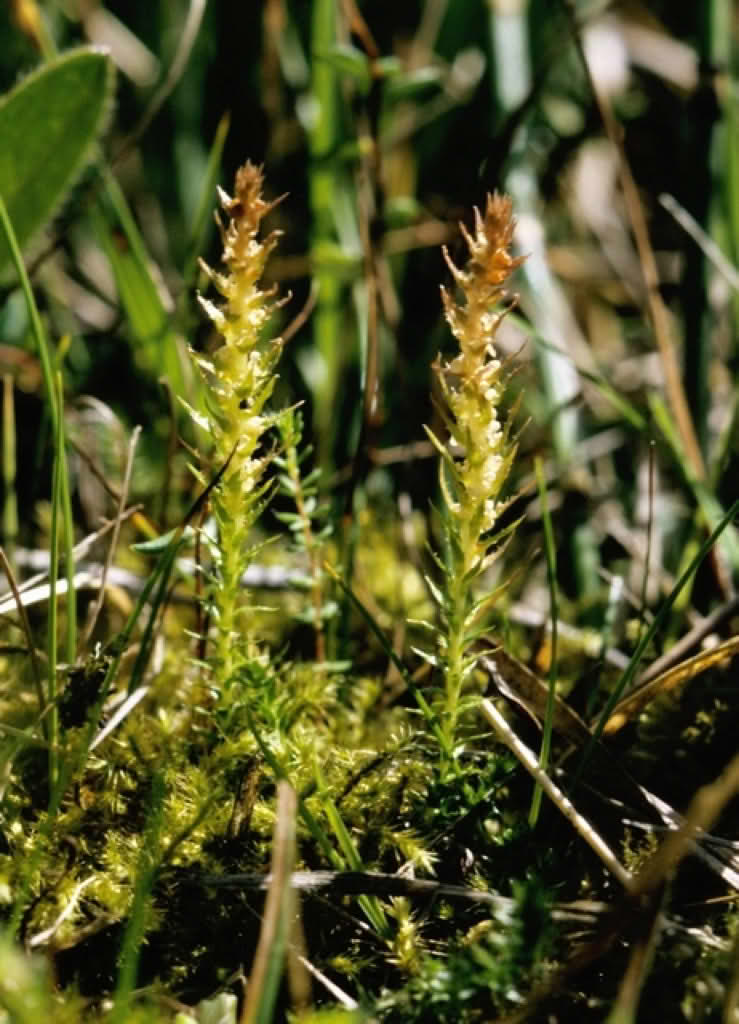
(215, 816)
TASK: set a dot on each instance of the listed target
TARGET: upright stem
(472, 385)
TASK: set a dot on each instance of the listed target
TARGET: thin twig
(706, 244)
(531, 763)
(95, 470)
(703, 811)
(42, 938)
(300, 318)
(339, 995)
(353, 883)
(28, 558)
(119, 714)
(26, 627)
(172, 443)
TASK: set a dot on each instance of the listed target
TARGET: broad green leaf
(49, 124)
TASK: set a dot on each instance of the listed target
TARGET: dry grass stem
(531, 763)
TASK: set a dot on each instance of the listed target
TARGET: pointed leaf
(435, 592)
(197, 417)
(422, 624)
(431, 659)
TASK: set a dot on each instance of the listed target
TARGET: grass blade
(156, 343)
(269, 960)
(10, 498)
(551, 554)
(148, 864)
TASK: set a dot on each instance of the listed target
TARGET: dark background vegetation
(234, 66)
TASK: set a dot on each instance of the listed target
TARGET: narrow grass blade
(67, 528)
(620, 404)
(51, 628)
(369, 904)
(10, 499)
(269, 960)
(551, 553)
(157, 345)
(203, 217)
(165, 572)
(148, 864)
(37, 330)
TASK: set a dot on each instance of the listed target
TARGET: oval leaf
(49, 124)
